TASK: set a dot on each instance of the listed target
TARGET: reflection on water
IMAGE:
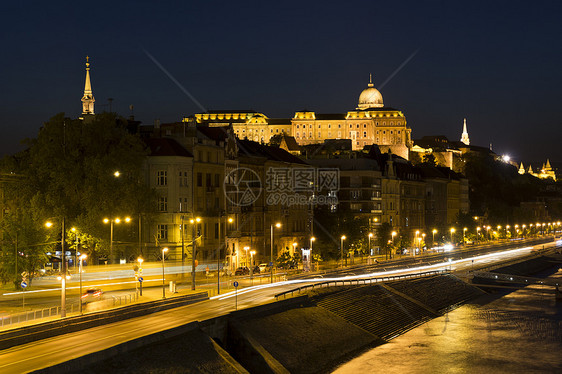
(520, 332)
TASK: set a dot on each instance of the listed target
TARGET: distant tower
(88, 98)
(464, 136)
(521, 169)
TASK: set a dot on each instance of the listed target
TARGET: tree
(384, 237)
(275, 140)
(68, 171)
(429, 159)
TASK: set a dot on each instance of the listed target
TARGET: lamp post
(246, 248)
(423, 240)
(75, 249)
(464, 235)
(416, 242)
(478, 234)
(452, 232)
(82, 258)
(488, 232)
(370, 236)
(433, 232)
(312, 239)
(341, 249)
(63, 277)
(194, 222)
(164, 250)
(278, 225)
(393, 234)
(111, 221)
(252, 253)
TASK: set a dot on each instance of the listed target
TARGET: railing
(70, 308)
(34, 314)
(364, 281)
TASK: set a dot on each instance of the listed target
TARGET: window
(310, 135)
(217, 178)
(199, 179)
(357, 125)
(339, 125)
(162, 232)
(364, 134)
(163, 204)
(216, 230)
(364, 125)
(183, 178)
(162, 178)
(297, 134)
(183, 204)
(329, 126)
(319, 126)
(297, 126)
(208, 180)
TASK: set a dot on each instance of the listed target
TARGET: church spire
(88, 98)
(464, 136)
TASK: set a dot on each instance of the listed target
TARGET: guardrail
(32, 315)
(363, 281)
(70, 309)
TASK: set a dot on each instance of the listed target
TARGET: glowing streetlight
(194, 222)
(117, 174)
(434, 231)
(452, 232)
(81, 258)
(463, 235)
(278, 225)
(341, 249)
(116, 220)
(164, 250)
(370, 236)
(63, 277)
(312, 239)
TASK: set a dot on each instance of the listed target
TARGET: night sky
(499, 64)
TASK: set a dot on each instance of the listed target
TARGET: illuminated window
(364, 134)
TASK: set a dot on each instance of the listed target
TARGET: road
(47, 352)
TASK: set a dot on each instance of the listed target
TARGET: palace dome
(370, 97)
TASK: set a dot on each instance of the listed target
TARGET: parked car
(257, 269)
(91, 294)
(263, 267)
(242, 271)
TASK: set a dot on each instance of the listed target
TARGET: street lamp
(116, 220)
(82, 258)
(294, 247)
(434, 231)
(194, 222)
(63, 277)
(75, 249)
(164, 250)
(452, 232)
(312, 239)
(463, 235)
(370, 236)
(423, 239)
(252, 253)
(278, 225)
(246, 248)
(478, 233)
(341, 249)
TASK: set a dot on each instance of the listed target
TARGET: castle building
(370, 123)
(545, 172)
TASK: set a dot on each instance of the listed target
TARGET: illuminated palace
(370, 123)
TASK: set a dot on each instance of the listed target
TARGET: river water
(520, 332)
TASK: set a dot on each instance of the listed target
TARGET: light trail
(444, 264)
